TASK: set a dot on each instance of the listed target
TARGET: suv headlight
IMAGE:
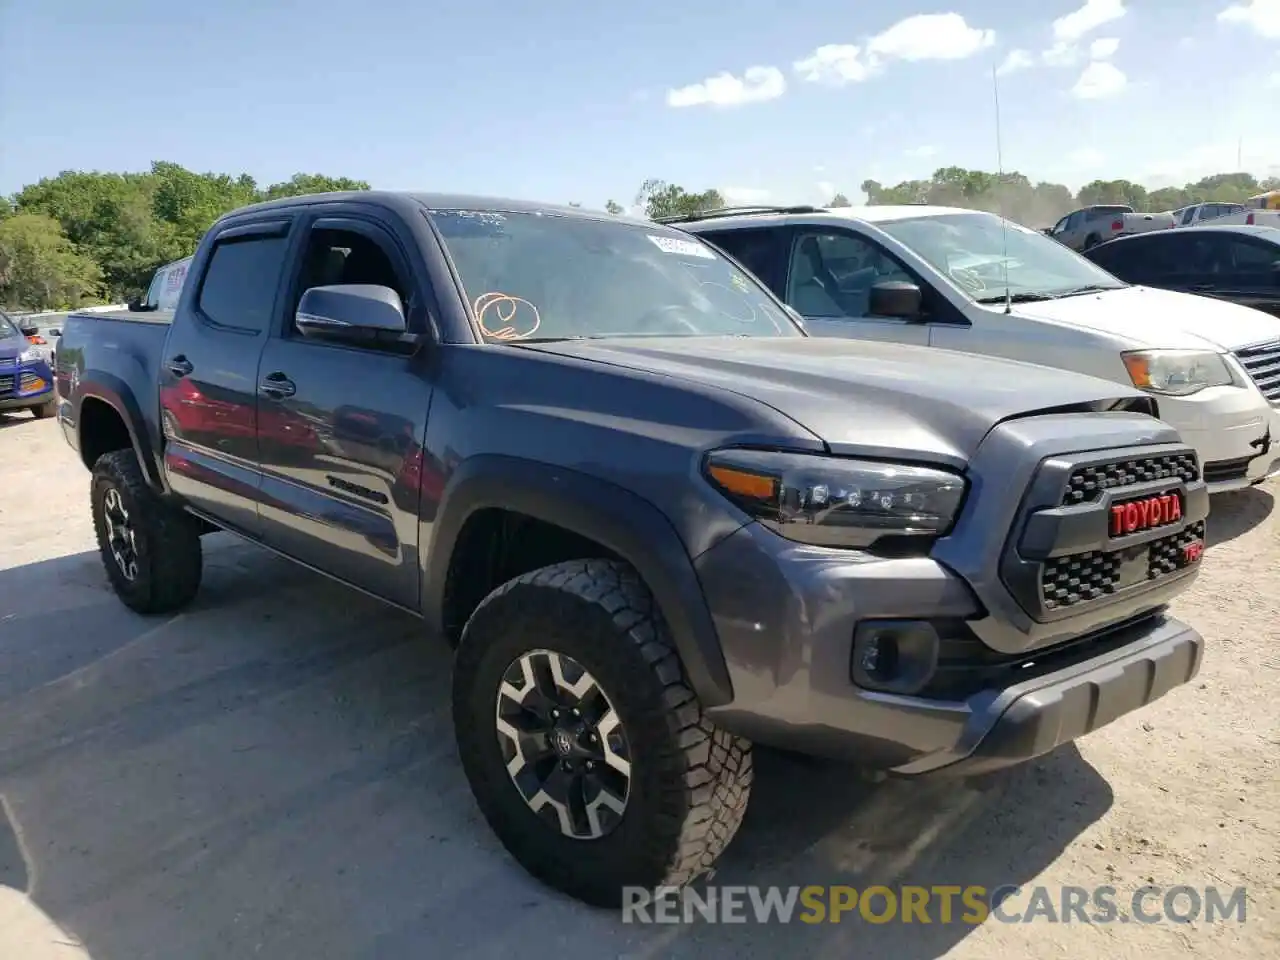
(29, 354)
(833, 502)
(1176, 373)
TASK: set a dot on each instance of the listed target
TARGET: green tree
(661, 199)
(40, 269)
(1113, 191)
(612, 206)
(302, 184)
(839, 200)
(131, 223)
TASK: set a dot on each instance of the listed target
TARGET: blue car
(26, 382)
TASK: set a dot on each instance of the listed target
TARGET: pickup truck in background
(657, 521)
(166, 287)
(1088, 226)
(966, 280)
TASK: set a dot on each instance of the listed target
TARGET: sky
(562, 101)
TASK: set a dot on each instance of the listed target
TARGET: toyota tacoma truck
(656, 520)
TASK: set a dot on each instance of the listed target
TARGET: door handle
(277, 386)
(180, 366)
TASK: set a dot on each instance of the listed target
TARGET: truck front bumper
(788, 617)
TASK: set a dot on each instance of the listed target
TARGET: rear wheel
(586, 750)
(150, 549)
(1091, 240)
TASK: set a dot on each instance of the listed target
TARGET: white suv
(966, 280)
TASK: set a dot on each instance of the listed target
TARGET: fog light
(894, 656)
(879, 656)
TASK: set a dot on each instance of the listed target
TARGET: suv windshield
(977, 251)
(539, 276)
(7, 327)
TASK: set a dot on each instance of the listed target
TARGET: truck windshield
(7, 327)
(978, 255)
(538, 276)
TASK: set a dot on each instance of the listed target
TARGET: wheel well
(496, 545)
(102, 430)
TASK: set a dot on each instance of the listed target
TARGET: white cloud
(835, 64)
(1274, 80)
(1061, 54)
(1104, 48)
(921, 152)
(1014, 61)
(756, 85)
(930, 36)
(1099, 81)
(1261, 16)
(1086, 158)
(744, 196)
(1092, 15)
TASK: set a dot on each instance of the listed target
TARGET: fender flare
(115, 393)
(627, 524)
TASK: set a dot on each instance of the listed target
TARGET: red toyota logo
(1145, 514)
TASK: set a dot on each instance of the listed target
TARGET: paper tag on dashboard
(688, 248)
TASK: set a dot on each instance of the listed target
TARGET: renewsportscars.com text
(939, 904)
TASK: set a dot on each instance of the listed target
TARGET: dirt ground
(272, 773)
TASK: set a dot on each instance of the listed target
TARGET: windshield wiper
(1087, 288)
(1016, 298)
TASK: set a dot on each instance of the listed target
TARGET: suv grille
(6, 384)
(1066, 581)
(1262, 361)
(1087, 483)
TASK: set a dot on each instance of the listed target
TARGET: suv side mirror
(895, 298)
(29, 330)
(351, 311)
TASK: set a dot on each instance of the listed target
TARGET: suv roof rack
(734, 212)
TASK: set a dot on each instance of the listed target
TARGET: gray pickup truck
(657, 520)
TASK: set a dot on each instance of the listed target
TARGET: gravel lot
(272, 773)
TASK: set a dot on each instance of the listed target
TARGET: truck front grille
(1262, 361)
(6, 384)
(1078, 578)
(1087, 483)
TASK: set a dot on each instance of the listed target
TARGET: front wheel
(150, 549)
(45, 410)
(587, 752)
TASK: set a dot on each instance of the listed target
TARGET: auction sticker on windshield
(689, 248)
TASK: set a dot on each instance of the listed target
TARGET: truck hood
(1160, 318)
(863, 397)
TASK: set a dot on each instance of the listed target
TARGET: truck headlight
(1176, 373)
(829, 501)
(29, 354)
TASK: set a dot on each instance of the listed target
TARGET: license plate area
(1135, 515)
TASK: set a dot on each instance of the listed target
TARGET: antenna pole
(1004, 226)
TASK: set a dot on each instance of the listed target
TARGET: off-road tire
(45, 410)
(690, 780)
(169, 557)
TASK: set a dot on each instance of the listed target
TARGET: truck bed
(118, 352)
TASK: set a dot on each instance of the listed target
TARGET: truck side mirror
(28, 330)
(351, 311)
(895, 298)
